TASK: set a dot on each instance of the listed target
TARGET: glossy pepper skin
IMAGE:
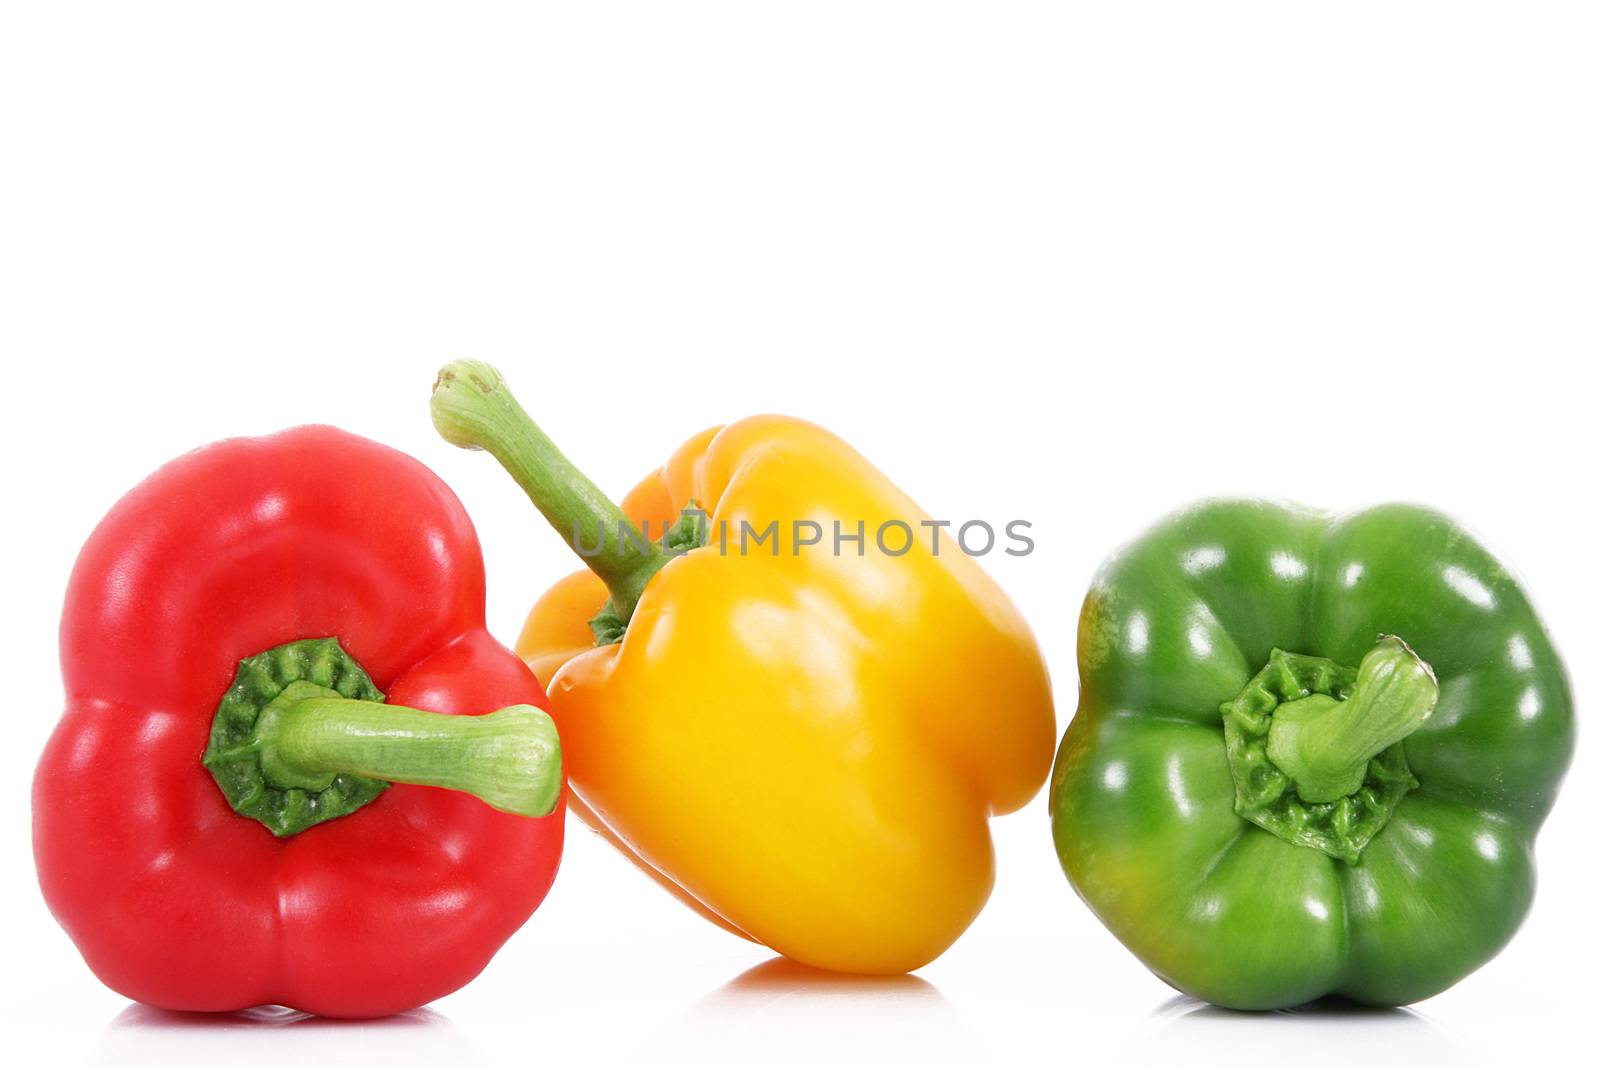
(806, 747)
(173, 898)
(1142, 799)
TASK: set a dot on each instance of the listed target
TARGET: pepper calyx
(691, 531)
(304, 736)
(233, 753)
(1316, 749)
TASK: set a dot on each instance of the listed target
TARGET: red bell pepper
(189, 670)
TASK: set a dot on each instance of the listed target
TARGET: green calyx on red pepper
(303, 736)
(1316, 748)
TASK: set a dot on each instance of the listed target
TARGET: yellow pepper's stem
(473, 408)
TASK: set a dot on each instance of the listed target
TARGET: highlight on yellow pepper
(803, 739)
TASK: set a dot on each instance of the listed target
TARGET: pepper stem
(1324, 745)
(510, 759)
(473, 408)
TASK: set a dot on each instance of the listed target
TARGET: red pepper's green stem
(1324, 745)
(473, 408)
(510, 759)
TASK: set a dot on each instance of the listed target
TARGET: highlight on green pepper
(1311, 753)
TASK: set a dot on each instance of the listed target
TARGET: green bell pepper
(1267, 795)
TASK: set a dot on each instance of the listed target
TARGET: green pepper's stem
(473, 408)
(510, 759)
(1324, 745)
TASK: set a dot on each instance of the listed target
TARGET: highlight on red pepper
(271, 649)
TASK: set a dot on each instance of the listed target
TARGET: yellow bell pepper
(803, 740)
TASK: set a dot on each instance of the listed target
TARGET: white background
(1078, 263)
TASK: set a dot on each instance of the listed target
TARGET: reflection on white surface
(781, 1012)
(145, 1035)
(1329, 1031)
